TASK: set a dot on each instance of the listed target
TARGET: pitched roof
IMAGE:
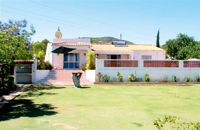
(129, 47)
(71, 44)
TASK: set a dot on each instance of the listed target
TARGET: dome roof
(58, 34)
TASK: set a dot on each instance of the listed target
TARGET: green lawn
(99, 107)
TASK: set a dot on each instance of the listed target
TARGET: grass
(99, 107)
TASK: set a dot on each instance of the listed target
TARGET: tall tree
(183, 47)
(15, 41)
(158, 39)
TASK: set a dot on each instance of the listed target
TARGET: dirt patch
(64, 126)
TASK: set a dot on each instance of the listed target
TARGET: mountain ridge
(106, 39)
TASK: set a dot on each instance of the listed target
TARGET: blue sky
(137, 20)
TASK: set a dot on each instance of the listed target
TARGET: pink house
(116, 50)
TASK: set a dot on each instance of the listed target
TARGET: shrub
(133, 78)
(175, 79)
(90, 61)
(83, 67)
(45, 66)
(48, 65)
(165, 79)
(147, 77)
(106, 78)
(174, 125)
(120, 77)
(99, 76)
(198, 78)
(187, 78)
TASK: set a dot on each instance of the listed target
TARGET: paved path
(7, 98)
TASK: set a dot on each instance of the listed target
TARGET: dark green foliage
(15, 41)
(104, 39)
(175, 79)
(6, 81)
(94, 40)
(106, 78)
(183, 47)
(120, 77)
(45, 66)
(158, 39)
(198, 78)
(40, 46)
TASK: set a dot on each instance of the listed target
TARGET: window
(146, 57)
(113, 56)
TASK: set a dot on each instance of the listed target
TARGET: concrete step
(63, 77)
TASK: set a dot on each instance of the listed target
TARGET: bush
(187, 78)
(90, 61)
(198, 78)
(120, 77)
(174, 125)
(133, 78)
(99, 76)
(147, 77)
(45, 66)
(48, 65)
(106, 78)
(175, 79)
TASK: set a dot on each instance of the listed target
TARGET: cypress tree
(157, 39)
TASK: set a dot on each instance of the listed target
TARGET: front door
(71, 61)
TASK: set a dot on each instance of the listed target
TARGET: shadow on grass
(35, 88)
(137, 124)
(84, 87)
(25, 108)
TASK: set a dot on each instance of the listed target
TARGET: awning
(63, 49)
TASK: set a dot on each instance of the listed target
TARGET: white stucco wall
(90, 74)
(41, 74)
(155, 55)
(48, 54)
(157, 74)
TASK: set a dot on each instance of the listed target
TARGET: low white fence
(41, 74)
(157, 69)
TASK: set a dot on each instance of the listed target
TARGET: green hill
(104, 39)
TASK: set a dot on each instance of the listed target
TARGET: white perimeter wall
(40, 74)
(157, 73)
(90, 74)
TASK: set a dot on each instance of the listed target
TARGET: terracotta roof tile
(129, 47)
(71, 44)
(23, 61)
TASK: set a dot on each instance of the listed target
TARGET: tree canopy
(183, 47)
(15, 41)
